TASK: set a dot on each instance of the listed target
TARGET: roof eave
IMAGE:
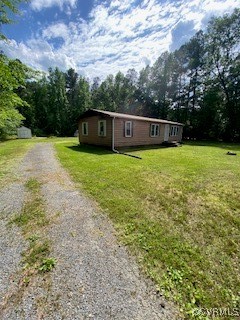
(91, 112)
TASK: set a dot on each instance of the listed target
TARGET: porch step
(171, 144)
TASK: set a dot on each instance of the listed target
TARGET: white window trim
(156, 132)
(128, 135)
(85, 123)
(174, 131)
(104, 128)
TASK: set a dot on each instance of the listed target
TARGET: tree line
(198, 85)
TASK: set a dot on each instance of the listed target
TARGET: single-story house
(24, 133)
(116, 130)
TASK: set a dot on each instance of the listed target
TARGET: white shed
(24, 133)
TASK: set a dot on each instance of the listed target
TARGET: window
(128, 129)
(85, 128)
(174, 131)
(102, 128)
(154, 130)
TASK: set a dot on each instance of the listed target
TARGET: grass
(11, 152)
(33, 220)
(178, 211)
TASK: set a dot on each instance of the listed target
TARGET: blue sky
(97, 37)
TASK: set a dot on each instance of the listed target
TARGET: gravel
(95, 277)
(11, 241)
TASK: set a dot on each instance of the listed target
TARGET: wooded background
(198, 85)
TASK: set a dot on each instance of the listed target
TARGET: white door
(166, 132)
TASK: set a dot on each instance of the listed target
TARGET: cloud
(121, 35)
(220, 6)
(38, 54)
(38, 5)
(58, 30)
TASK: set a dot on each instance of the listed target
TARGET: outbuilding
(24, 133)
(117, 130)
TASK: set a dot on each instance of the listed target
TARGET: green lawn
(11, 151)
(178, 211)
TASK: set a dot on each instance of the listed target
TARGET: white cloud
(220, 6)
(38, 54)
(116, 37)
(58, 30)
(38, 5)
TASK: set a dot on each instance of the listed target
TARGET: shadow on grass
(100, 151)
(223, 145)
(143, 148)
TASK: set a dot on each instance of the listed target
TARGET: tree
(83, 101)
(222, 61)
(105, 95)
(37, 96)
(194, 54)
(58, 108)
(71, 84)
(13, 75)
(144, 94)
(7, 8)
(161, 81)
(200, 78)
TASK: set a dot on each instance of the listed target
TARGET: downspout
(113, 143)
(113, 136)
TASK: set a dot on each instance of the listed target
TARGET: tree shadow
(101, 150)
(142, 148)
(216, 144)
(97, 150)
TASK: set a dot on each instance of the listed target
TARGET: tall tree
(58, 108)
(37, 96)
(83, 101)
(223, 40)
(161, 81)
(13, 75)
(105, 95)
(71, 85)
(144, 94)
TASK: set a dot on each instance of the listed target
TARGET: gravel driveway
(94, 278)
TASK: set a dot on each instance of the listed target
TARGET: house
(116, 130)
(24, 133)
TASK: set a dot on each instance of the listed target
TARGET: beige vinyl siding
(141, 134)
(93, 127)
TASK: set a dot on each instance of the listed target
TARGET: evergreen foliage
(198, 85)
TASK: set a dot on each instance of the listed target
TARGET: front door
(166, 132)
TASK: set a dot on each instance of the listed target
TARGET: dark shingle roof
(92, 112)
